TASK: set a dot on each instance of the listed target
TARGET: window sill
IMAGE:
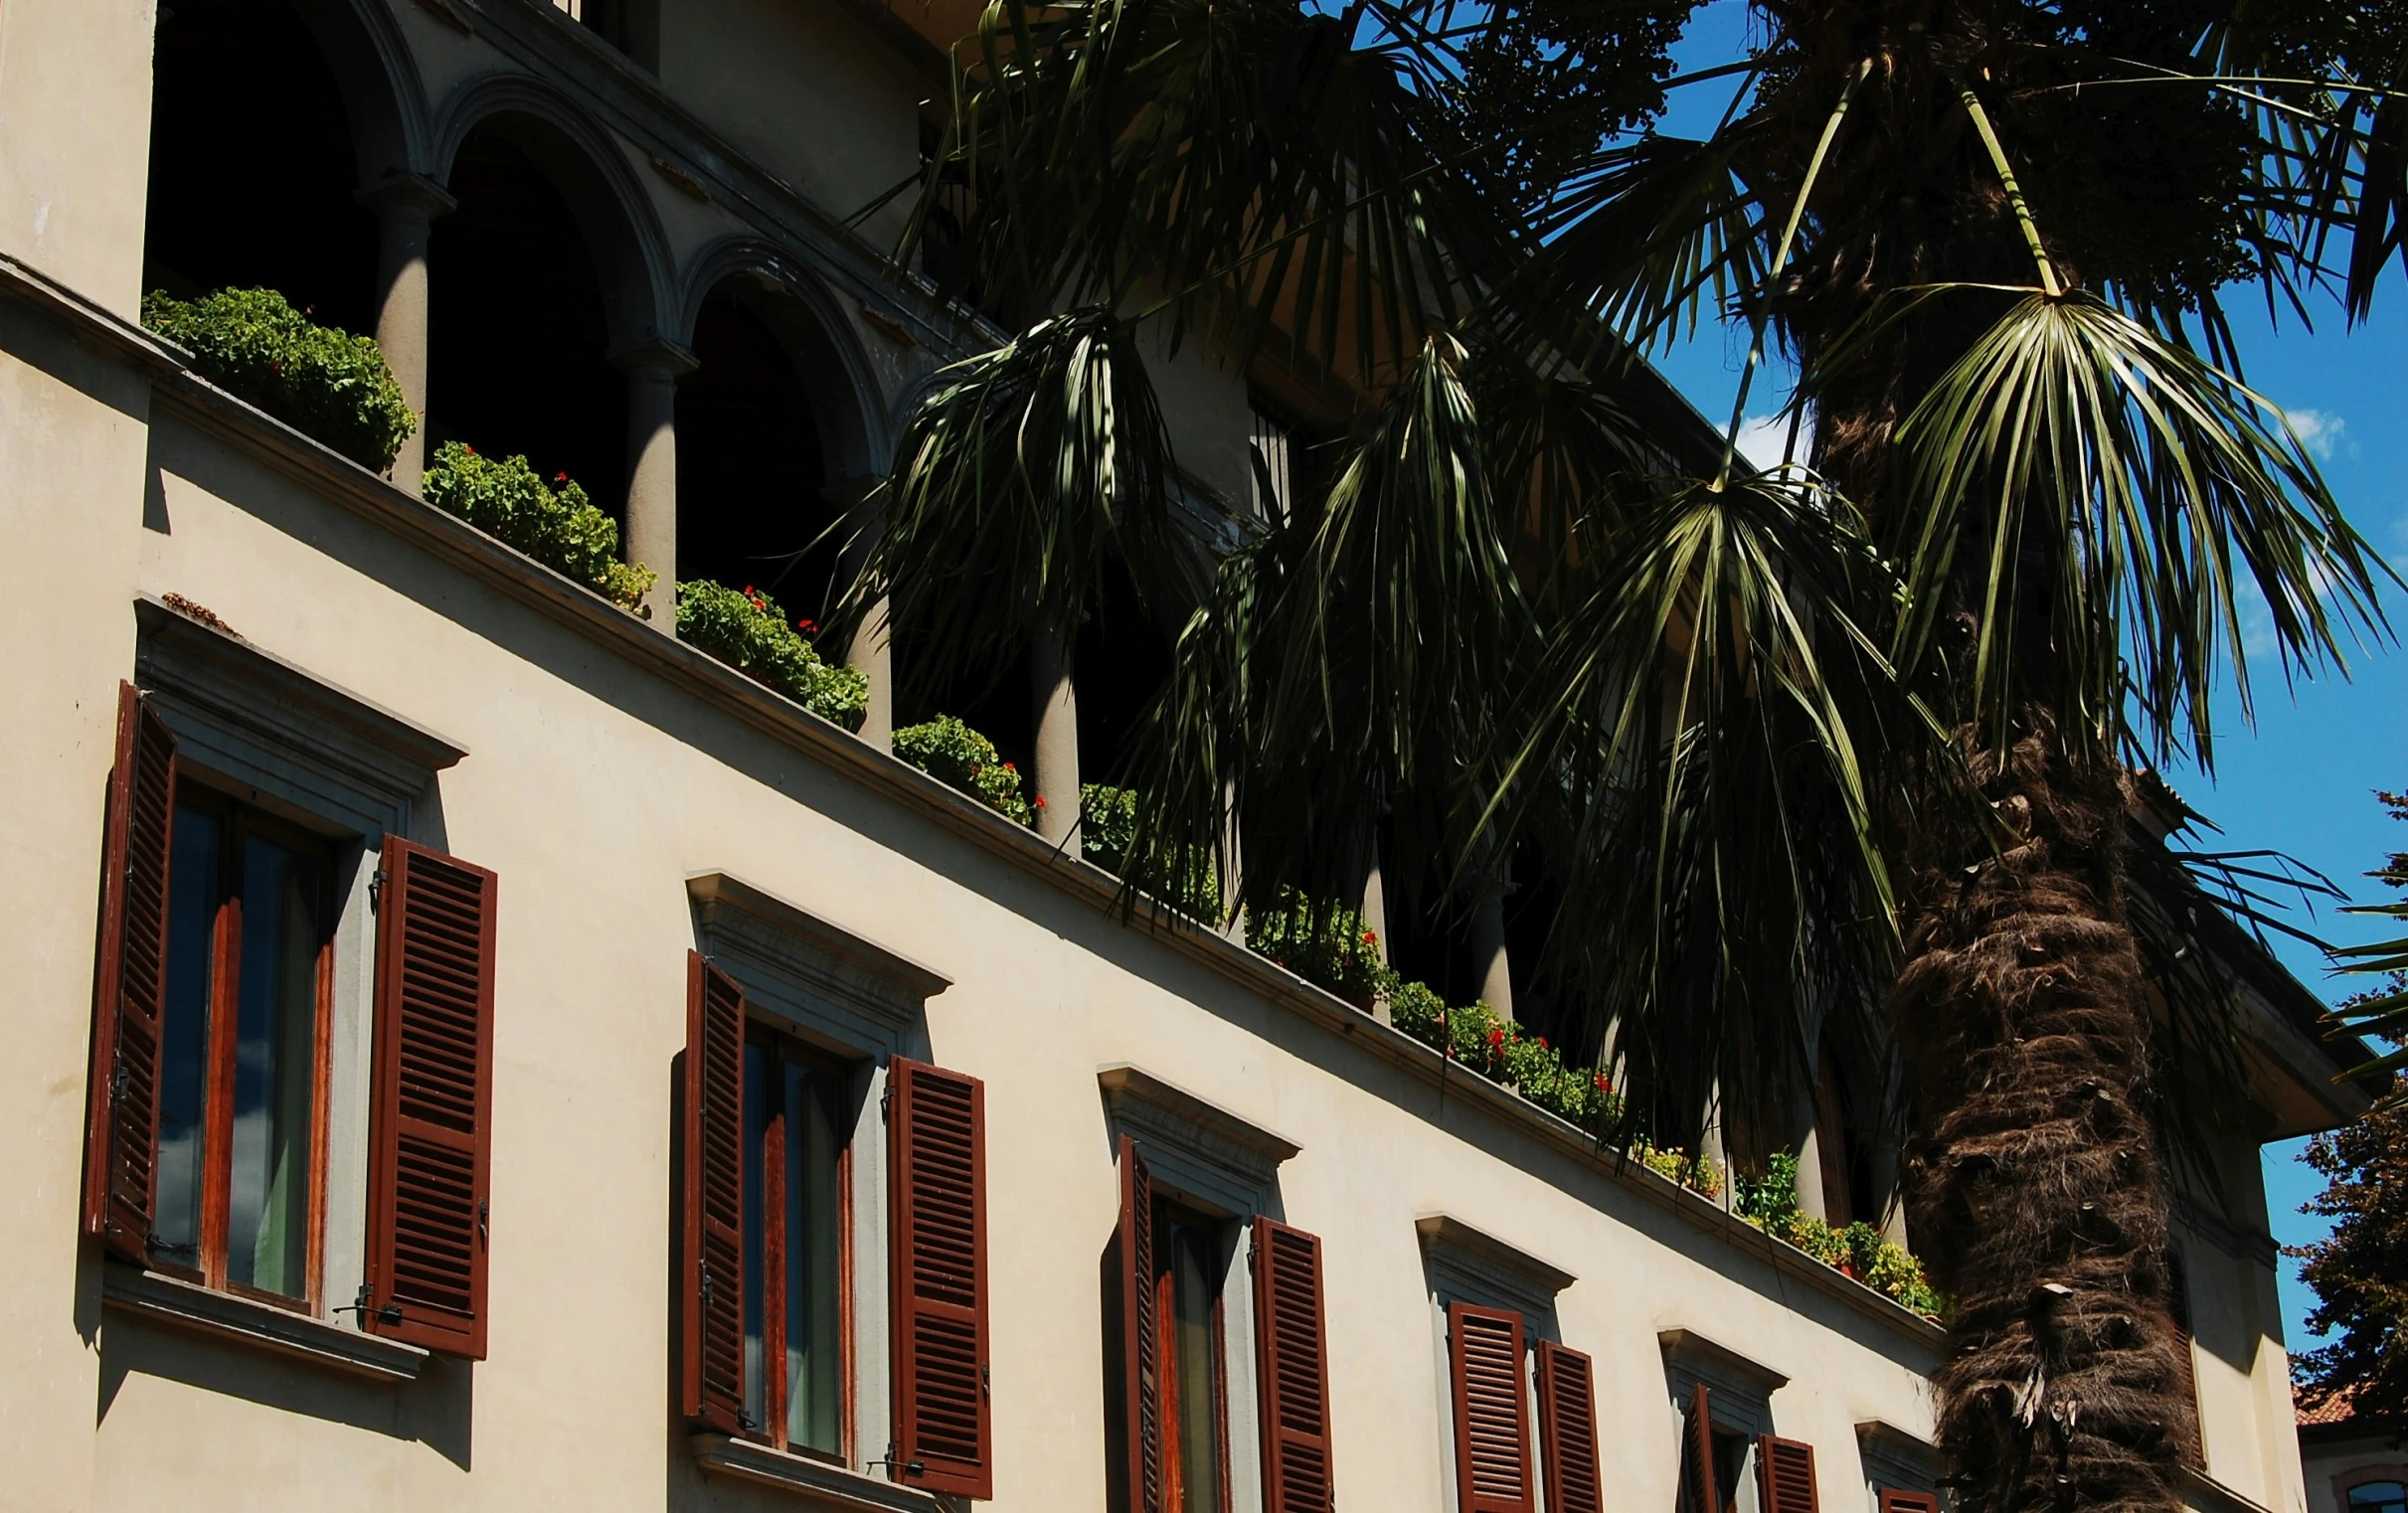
(182, 1304)
(828, 1485)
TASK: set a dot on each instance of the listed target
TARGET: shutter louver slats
(122, 1133)
(1141, 1345)
(711, 1201)
(1567, 1430)
(1292, 1341)
(1491, 1410)
(1896, 1500)
(944, 1426)
(1697, 1454)
(429, 1187)
(1785, 1475)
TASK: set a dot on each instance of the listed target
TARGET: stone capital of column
(656, 358)
(408, 191)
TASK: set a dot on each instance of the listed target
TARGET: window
(795, 1181)
(211, 1030)
(1189, 1262)
(1273, 450)
(767, 1336)
(2379, 1498)
(239, 1067)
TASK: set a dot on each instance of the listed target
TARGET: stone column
(1054, 698)
(653, 368)
(405, 207)
(1488, 950)
(872, 649)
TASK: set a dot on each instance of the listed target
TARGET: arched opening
(252, 168)
(518, 332)
(753, 467)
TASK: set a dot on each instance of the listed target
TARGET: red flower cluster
(808, 627)
(1603, 1084)
(1496, 1040)
(1039, 800)
(560, 477)
(1371, 937)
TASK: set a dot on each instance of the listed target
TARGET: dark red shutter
(1785, 1475)
(122, 1131)
(1567, 1430)
(1893, 1500)
(711, 1201)
(944, 1415)
(1491, 1410)
(1140, 1343)
(1291, 1340)
(429, 1186)
(1697, 1454)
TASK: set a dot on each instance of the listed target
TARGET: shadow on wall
(437, 1409)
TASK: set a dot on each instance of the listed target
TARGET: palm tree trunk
(2035, 1188)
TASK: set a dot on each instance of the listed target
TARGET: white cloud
(2323, 434)
(1762, 438)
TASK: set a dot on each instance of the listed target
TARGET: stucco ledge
(246, 1321)
(818, 1482)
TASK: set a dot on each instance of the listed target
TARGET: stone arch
(836, 372)
(584, 161)
(382, 92)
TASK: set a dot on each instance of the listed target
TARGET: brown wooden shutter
(1895, 1500)
(711, 1201)
(1491, 1410)
(2186, 1371)
(1567, 1430)
(1140, 1343)
(944, 1415)
(429, 1169)
(129, 997)
(1697, 1454)
(1292, 1341)
(1785, 1475)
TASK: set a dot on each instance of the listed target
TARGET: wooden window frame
(1166, 1369)
(772, 1432)
(239, 821)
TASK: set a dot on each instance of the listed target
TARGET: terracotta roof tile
(2326, 1407)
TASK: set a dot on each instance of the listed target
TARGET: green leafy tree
(1855, 731)
(2361, 1272)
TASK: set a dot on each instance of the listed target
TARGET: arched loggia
(255, 160)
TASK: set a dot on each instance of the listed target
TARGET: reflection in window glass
(192, 922)
(267, 1195)
(793, 1249)
(1189, 1252)
(2379, 1498)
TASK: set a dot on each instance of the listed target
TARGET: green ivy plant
(557, 526)
(749, 633)
(1322, 942)
(1769, 1201)
(325, 383)
(952, 753)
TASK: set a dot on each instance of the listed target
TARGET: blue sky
(2302, 781)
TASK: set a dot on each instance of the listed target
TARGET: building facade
(471, 1050)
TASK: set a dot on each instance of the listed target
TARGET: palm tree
(1851, 737)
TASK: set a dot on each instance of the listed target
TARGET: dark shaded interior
(516, 327)
(251, 172)
(750, 465)
(1124, 661)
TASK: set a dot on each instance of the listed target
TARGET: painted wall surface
(595, 786)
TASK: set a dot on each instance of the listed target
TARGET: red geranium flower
(1039, 800)
(808, 627)
(1497, 1038)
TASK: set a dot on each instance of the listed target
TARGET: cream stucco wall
(598, 781)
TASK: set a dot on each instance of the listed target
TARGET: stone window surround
(1465, 1264)
(1741, 1389)
(1893, 1458)
(270, 733)
(1226, 1166)
(867, 1005)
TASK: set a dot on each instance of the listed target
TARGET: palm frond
(2089, 490)
(1698, 741)
(1023, 474)
(2383, 1012)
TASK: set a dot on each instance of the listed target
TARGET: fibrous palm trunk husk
(2034, 1183)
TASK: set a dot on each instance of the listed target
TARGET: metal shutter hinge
(376, 890)
(390, 1314)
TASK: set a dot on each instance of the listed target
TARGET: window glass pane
(2379, 1498)
(814, 1233)
(1193, 1288)
(760, 1102)
(192, 916)
(275, 1072)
